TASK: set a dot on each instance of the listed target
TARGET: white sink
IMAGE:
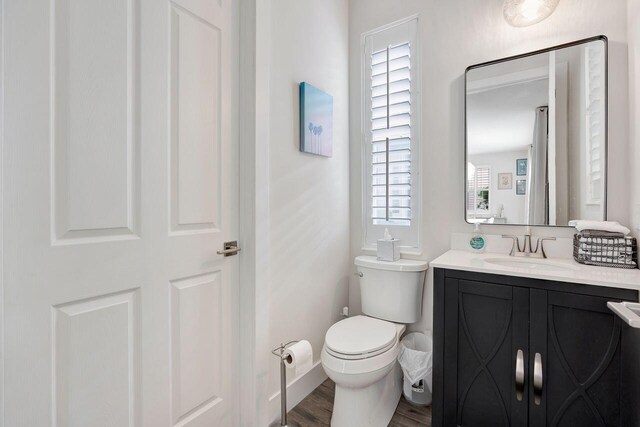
(529, 264)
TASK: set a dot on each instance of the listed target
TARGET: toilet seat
(360, 337)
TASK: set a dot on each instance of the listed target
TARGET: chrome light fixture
(522, 13)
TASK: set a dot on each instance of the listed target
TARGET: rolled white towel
(610, 226)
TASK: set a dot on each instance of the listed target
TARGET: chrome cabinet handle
(230, 249)
(537, 379)
(520, 375)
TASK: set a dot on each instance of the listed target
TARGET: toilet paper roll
(299, 356)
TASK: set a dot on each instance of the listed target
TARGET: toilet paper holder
(279, 353)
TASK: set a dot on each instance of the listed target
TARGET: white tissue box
(389, 250)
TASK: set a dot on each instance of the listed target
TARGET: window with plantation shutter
(390, 130)
(478, 187)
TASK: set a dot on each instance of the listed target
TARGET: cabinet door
(578, 340)
(485, 326)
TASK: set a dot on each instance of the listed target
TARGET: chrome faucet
(526, 250)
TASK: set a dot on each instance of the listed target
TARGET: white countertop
(575, 273)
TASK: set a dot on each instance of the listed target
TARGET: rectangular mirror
(536, 137)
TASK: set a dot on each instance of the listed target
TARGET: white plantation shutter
(391, 135)
(471, 188)
(390, 112)
(594, 123)
(482, 178)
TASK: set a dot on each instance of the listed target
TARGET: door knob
(230, 249)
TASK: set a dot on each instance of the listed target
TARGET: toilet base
(371, 406)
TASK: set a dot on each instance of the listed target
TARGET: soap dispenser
(477, 243)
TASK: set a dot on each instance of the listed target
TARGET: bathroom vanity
(521, 340)
(532, 343)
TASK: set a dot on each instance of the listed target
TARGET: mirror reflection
(536, 137)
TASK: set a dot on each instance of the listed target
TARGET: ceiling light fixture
(522, 13)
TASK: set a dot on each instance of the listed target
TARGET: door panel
(580, 347)
(119, 185)
(195, 118)
(94, 140)
(491, 326)
(106, 326)
(196, 319)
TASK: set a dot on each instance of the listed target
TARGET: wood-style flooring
(315, 410)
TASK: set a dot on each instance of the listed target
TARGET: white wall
(634, 103)
(308, 195)
(454, 35)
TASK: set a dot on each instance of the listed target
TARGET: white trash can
(416, 361)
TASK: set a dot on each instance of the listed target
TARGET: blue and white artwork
(316, 121)
(521, 167)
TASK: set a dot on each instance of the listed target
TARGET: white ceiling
(502, 119)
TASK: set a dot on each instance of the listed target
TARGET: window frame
(401, 31)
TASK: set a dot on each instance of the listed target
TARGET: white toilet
(360, 353)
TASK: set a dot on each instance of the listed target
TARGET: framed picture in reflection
(521, 167)
(521, 187)
(505, 181)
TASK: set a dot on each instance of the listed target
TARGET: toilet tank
(391, 290)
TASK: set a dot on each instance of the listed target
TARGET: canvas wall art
(316, 121)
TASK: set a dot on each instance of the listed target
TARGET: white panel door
(119, 186)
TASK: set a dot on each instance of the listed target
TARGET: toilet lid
(360, 335)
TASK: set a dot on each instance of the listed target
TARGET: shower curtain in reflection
(537, 199)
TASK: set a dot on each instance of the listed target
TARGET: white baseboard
(297, 390)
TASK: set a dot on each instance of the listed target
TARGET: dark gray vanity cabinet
(493, 334)
(483, 324)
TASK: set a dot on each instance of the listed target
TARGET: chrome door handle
(520, 375)
(230, 249)
(537, 379)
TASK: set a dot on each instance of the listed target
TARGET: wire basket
(605, 250)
